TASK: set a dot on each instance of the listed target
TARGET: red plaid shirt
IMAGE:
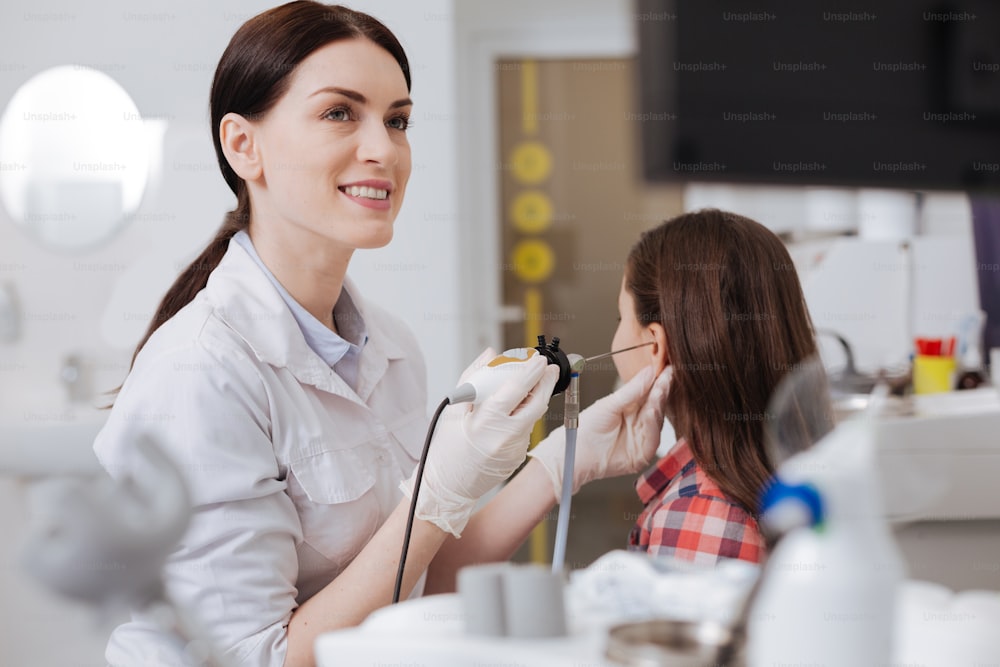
(687, 515)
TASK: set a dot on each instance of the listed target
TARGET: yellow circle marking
(531, 212)
(533, 260)
(531, 162)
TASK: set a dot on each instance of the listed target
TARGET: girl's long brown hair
(729, 299)
(252, 75)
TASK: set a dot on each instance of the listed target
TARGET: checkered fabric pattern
(687, 515)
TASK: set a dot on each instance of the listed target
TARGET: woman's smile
(369, 193)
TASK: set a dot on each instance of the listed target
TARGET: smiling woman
(326, 167)
(295, 408)
(274, 110)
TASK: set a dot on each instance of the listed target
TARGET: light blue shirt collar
(340, 353)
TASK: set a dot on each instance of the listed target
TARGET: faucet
(852, 381)
(76, 378)
(10, 318)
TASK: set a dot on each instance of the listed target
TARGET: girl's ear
(659, 358)
(237, 137)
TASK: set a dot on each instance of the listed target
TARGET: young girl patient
(717, 296)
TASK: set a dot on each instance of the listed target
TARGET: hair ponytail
(194, 278)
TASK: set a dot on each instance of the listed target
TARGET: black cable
(413, 501)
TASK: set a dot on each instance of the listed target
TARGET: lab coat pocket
(333, 493)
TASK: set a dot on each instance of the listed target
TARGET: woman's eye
(340, 113)
(399, 123)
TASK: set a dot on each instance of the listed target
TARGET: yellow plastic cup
(933, 375)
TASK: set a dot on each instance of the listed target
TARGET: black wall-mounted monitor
(892, 93)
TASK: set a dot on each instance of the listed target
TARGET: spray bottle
(830, 590)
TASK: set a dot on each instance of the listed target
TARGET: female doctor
(294, 407)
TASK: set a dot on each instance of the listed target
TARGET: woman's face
(334, 150)
(629, 333)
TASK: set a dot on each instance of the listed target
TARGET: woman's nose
(375, 144)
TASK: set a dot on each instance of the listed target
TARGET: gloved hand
(618, 435)
(475, 448)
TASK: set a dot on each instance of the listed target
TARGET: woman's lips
(370, 194)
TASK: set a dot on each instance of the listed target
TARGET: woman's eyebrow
(358, 97)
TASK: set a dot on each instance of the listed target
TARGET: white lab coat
(290, 471)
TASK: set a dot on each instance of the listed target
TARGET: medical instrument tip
(608, 354)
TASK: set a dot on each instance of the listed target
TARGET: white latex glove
(618, 435)
(475, 448)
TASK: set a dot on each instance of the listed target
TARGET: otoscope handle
(488, 379)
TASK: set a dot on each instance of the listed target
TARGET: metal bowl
(670, 643)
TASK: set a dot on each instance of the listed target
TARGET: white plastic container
(829, 596)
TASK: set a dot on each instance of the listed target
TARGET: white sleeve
(236, 567)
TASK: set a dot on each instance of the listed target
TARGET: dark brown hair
(252, 75)
(728, 297)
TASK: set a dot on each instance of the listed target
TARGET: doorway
(571, 204)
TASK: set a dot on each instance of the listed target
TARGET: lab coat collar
(250, 305)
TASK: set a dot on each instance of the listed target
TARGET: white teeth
(366, 192)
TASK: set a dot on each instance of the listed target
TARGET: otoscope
(480, 386)
(488, 379)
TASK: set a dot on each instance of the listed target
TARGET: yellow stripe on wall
(532, 316)
(538, 544)
(529, 97)
(532, 330)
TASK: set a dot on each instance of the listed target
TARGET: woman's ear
(238, 140)
(659, 357)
